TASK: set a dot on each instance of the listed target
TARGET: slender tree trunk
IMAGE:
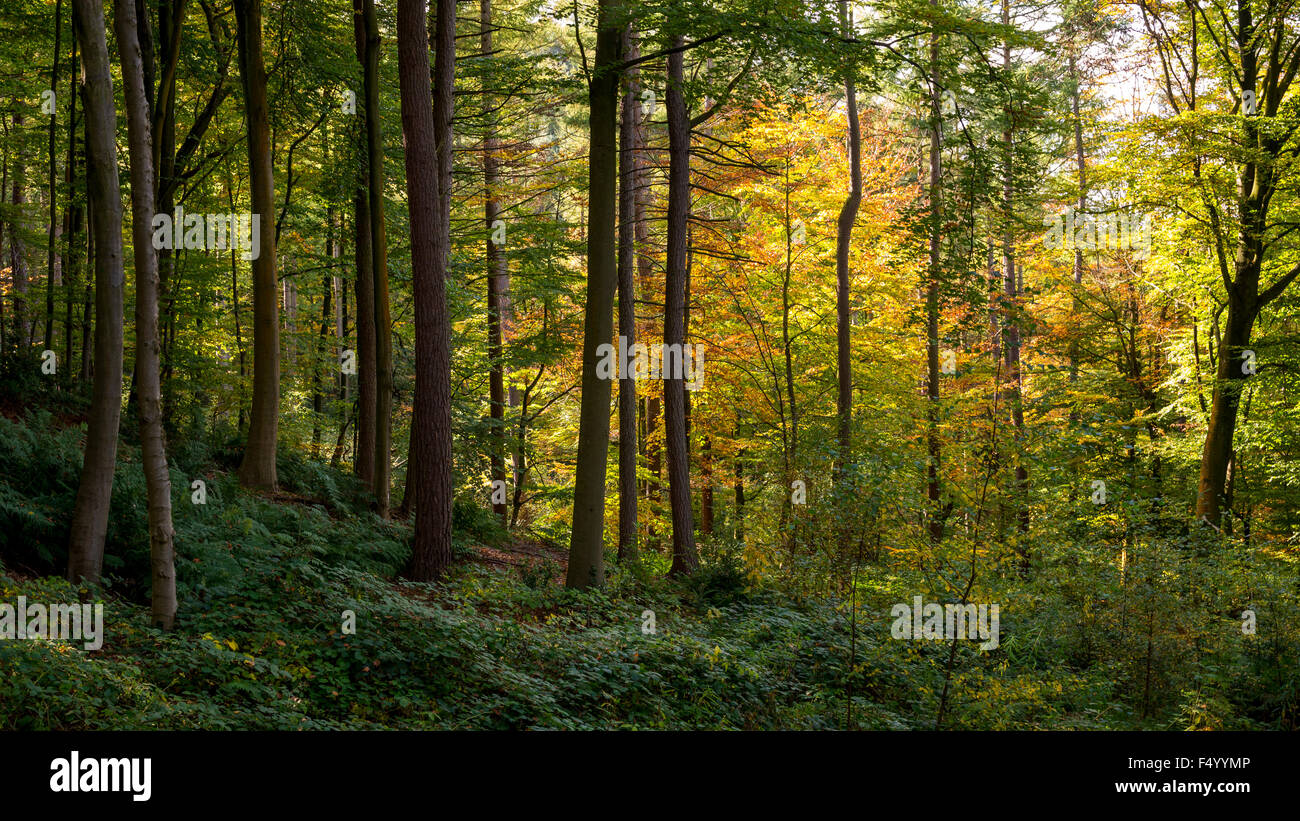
(1080, 207)
(258, 468)
(170, 25)
(363, 463)
(843, 241)
(706, 492)
(322, 344)
(497, 277)
(1011, 290)
(650, 404)
(90, 515)
(23, 325)
(933, 494)
(53, 271)
(72, 214)
(685, 558)
(629, 159)
(790, 433)
(426, 124)
(368, 52)
(587, 546)
(739, 489)
(153, 443)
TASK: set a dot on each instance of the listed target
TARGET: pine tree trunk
(587, 546)
(629, 160)
(428, 135)
(685, 558)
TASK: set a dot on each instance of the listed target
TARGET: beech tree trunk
(94, 493)
(258, 468)
(843, 240)
(936, 514)
(148, 386)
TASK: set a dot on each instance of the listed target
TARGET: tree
(498, 277)
(148, 388)
(368, 53)
(685, 557)
(628, 170)
(258, 467)
(431, 431)
(94, 493)
(587, 544)
(843, 240)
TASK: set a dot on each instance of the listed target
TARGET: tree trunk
(1011, 291)
(428, 135)
(685, 558)
(23, 325)
(587, 546)
(497, 275)
(363, 461)
(368, 53)
(90, 516)
(628, 167)
(153, 443)
(843, 240)
(258, 467)
(72, 214)
(52, 267)
(933, 494)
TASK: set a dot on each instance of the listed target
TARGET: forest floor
(293, 614)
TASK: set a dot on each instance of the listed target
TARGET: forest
(677, 365)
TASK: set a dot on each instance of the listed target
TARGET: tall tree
(685, 558)
(17, 246)
(843, 241)
(587, 544)
(628, 168)
(94, 493)
(1258, 61)
(52, 271)
(368, 52)
(933, 275)
(1011, 293)
(498, 278)
(153, 444)
(258, 467)
(423, 113)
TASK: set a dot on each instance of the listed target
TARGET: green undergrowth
(267, 586)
